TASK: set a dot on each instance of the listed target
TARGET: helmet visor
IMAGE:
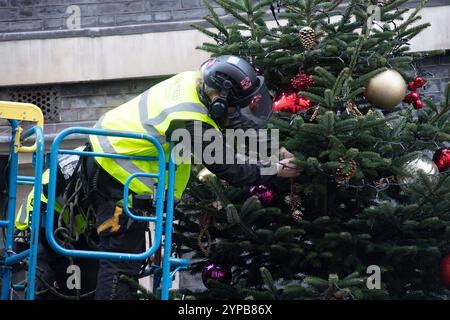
(258, 108)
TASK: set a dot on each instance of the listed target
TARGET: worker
(226, 93)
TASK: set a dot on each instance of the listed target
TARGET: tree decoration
(290, 102)
(216, 271)
(414, 97)
(345, 171)
(419, 82)
(205, 220)
(314, 113)
(294, 201)
(264, 193)
(351, 108)
(411, 97)
(442, 159)
(386, 90)
(303, 103)
(308, 37)
(412, 168)
(412, 86)
(418, 104)
(217, 205)
(204, 232)
(297, 215)
(384, 183)
(302, 81)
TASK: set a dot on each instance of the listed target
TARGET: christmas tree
(369, 217)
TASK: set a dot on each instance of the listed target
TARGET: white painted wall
(143, 55)
(438, 35)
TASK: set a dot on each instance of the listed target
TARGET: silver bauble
(413, 167)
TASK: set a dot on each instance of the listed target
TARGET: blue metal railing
(176, 264)
(162, 274)
(31, 254)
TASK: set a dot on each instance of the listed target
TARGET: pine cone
(297, 215)
(346, 171)
(308, 37)
(293, 200)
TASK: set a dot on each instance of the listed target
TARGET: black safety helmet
(238, 85)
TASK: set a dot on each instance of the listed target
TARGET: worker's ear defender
(219, 106)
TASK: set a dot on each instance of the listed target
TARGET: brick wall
(437, 71)
(38, 15)
(79, 104)
(28, 18)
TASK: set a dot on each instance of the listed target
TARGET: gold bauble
(386, 90)
(205, 175)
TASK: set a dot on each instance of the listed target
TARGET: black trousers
(117, 234)
(53, 270)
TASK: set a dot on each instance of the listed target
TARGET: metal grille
(45, 98)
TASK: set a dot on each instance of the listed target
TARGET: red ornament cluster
(302, 81)
(290, 102)
(414, 97)
(442, 159)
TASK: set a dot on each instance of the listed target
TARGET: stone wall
(72, 104)
(54, 15)
(28, 18)
(437, 71)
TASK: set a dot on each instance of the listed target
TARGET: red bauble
(442, 159)
(418, 82)
(412, 86)
(414, 96)
(445, 271)
(411, 97)
(264, 193)
(418, 104)
(408, 98)
(302, 81)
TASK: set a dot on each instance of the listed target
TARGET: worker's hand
(286, 169)
(285, 154)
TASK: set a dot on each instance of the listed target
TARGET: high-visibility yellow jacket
(23, 216)
(152, 112)
(22, 220)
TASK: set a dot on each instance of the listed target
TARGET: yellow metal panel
(22, 112)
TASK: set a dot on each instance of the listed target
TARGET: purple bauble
(215, 271)
(264, 193)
